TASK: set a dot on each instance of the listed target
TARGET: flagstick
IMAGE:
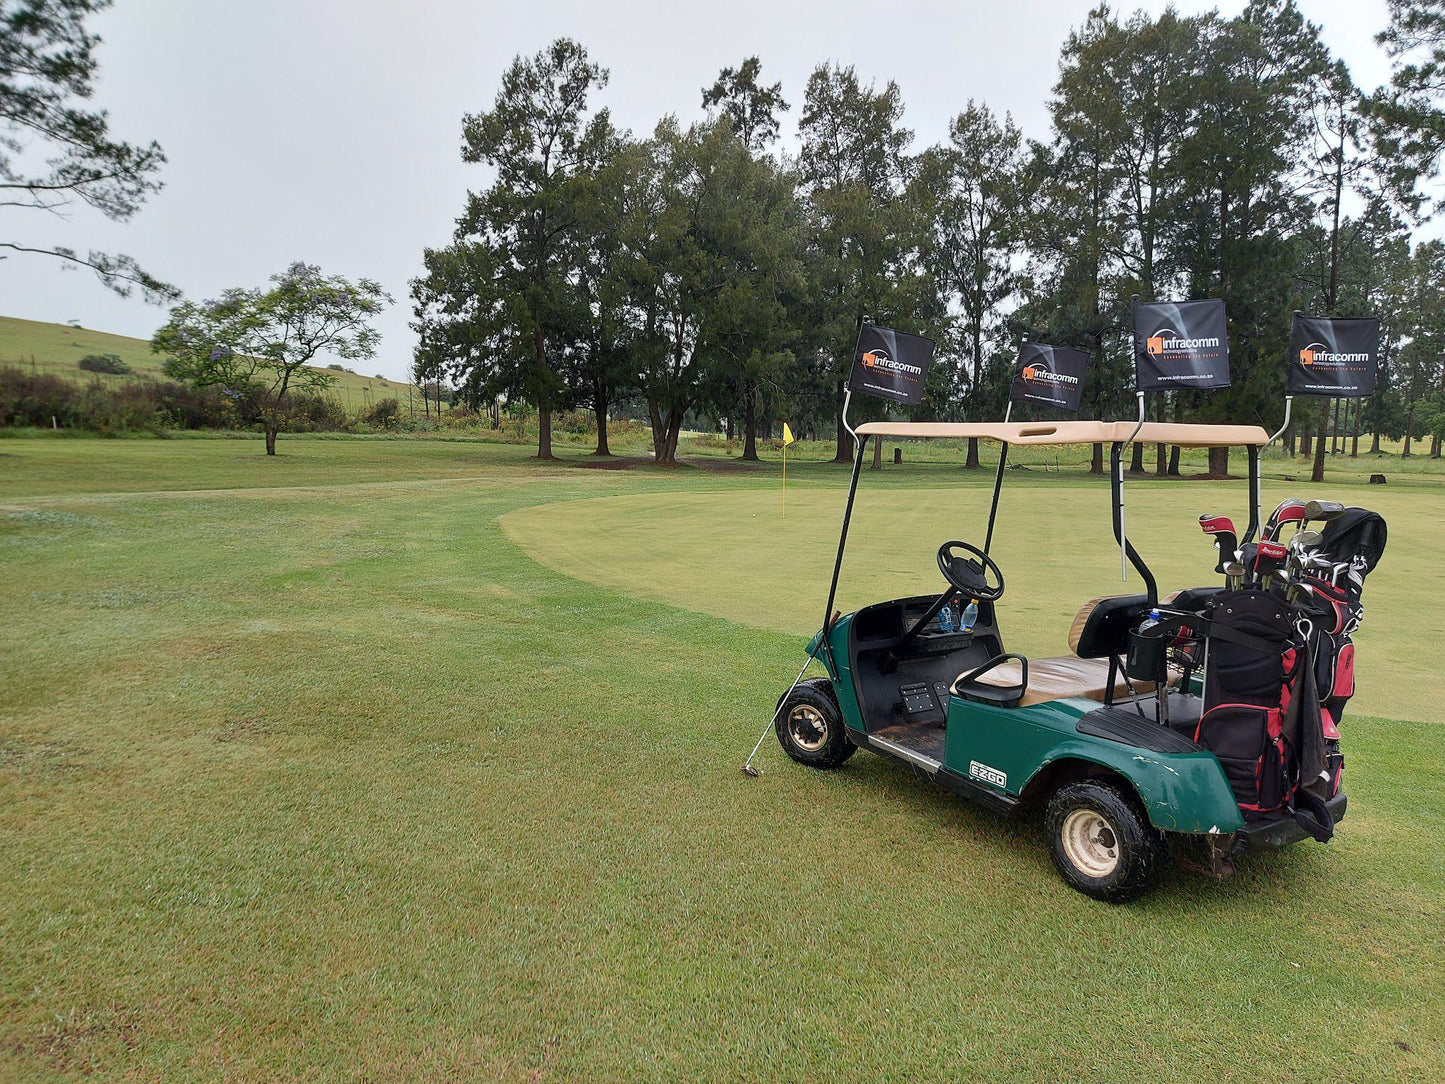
(785, 481)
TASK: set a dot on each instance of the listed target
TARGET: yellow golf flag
(788, 437)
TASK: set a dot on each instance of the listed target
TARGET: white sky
(329, 130)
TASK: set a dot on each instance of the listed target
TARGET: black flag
(1052, 375)
(1180, 344)
(1334, 357)
(890, 364)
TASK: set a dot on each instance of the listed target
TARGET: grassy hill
(58, 348)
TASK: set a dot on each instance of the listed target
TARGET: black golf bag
(1279, 674)
(1261, 714)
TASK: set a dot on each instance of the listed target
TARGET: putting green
(732, 554)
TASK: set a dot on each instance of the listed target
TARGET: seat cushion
(1058, 679)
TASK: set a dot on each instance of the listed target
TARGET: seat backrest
(1101, 627)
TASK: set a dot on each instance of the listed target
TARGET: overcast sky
(329, 130)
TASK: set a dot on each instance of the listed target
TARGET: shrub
(307, 413)
(384, 414)
(104, 363)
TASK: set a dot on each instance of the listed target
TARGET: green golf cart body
(1113, 761)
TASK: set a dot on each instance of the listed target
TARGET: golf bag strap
(1313, 815)
(1255, 643)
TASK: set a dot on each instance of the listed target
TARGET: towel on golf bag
(1261, 715)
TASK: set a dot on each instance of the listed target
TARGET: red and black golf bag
(1281, 668)
(1261, 713)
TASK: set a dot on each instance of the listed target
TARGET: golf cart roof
(1186, 435)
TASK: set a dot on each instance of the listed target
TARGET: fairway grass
(732, 553)
(308, 770)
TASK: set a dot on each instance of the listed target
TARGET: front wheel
(810, 726)
(1102, 843)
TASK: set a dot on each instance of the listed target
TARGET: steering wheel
(968, 572)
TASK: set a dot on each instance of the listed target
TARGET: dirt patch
(81, 1042)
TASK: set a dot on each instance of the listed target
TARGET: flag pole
(785, 481)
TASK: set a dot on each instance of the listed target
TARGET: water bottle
(945, 619)
(1150, 621)
(970, 615)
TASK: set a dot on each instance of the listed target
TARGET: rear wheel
(810, 726)
(1102, 843)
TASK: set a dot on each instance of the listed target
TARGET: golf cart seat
(1041, 680)
(1101, 627)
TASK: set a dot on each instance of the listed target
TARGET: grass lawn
(416, 760)
(57, 348)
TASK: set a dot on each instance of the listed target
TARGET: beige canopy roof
(1188, 436)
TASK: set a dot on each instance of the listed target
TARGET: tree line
(711, 277)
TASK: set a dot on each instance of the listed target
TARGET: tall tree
(753, 110)
(710, 247)
(596, 315)
(750, 107)
(55, 150)
(542, 144)
(978, 217)
(1072, 289)
(1410, 113)
(266, 339)
(854, 167)
(1241, 198)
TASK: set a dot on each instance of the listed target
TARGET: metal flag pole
(1123, 534)
(1288, 405)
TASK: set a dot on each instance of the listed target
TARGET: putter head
(749, 770)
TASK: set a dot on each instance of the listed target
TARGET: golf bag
(1334, 610)
(1262, 715)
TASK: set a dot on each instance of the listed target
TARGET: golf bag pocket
(1335, 765)
(1246, 740)
(1343, 686)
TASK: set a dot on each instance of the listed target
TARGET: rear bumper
(1264, 835)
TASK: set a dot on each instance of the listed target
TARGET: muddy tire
(1102, 842)
(810, 726)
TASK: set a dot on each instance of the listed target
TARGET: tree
(542, 144)
(1410, 115)
(977, 211)
(710, 248)
(596, 313)
(461, 326)
(854, 169)
(1072, 289)
(751, 108)
(1241, 202)
(264, 340)
(47, 78)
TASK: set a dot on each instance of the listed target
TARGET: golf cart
(1209, 715)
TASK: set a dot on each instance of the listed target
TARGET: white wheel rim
(808, 728)
(1090, 843)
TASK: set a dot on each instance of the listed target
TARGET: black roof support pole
(1116, 490)
(997, 485)
(1253, 495)
(862, 443)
